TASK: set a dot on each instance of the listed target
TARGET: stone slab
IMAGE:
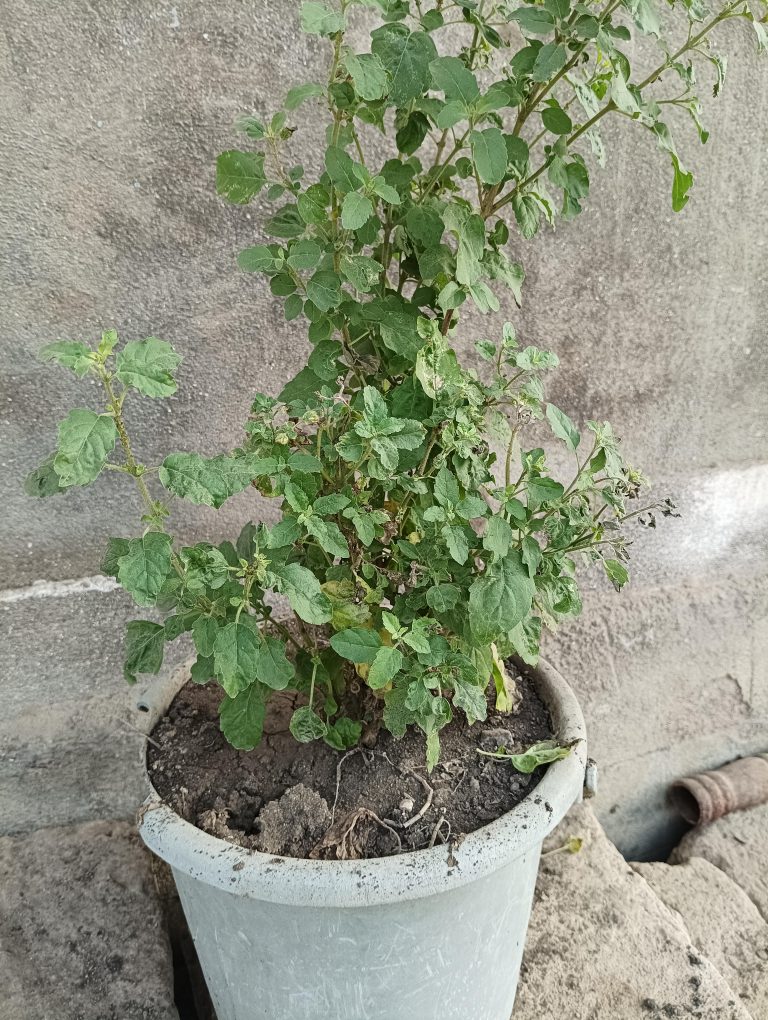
(602, 945)
(722, 921)
(82, 935)
(738, 845)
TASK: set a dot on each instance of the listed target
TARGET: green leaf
(257, 259)
(204, 632)
(148, 366)
(357, 644)
(318, 19)
(302, 387)
(329, 537)
(368, 74)
(72, 354)
(236, 654)
(356, 210)
(533, 20)
(470, 698)
(43, 481)
(406, 56)
(452, 77)
(210, 481)
(361, 271)
(531, 555)
(145, 566)
(242, 718)
(341, 169)
(456, 542)
(499, 599)
(526, 213)
(287, 222)
(490, 152)
(303, 591)
(446, 488)
(306, 725)
(563, 427)
(543, 753)
(144, 645)
(617, 573)
(443, 597)
(324, 289)
(556, 120)
(681, 185)
(86, 440)
(386, 664)
(509, 273)
(550, 59)
(330, 504)
(343, 734)
(498, 536)
(304, 255)
(301, 93)
(272, 665)
(240, 175)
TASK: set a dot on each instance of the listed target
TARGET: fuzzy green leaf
(209, 481)
(86, 440)
(240, 175)
(451, 76)
(490, 152)
(306, 725)
(72, 354)
(563, 427)
(302, 589)
(356, 644)
(499, 599)
(148, 366)
(272, 666)
(145, 566)
(236, 654)
(144, 646)
(368, 75)
(319, 19)
(242, 717)
(406, 55)
(356, 210)
(386, 664)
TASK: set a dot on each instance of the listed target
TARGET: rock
(82, 935)
(602, 945)
(722, 921)
(737, 844)
(286, 824)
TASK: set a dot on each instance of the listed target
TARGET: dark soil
(307, 800)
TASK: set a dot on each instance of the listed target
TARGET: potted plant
(422, 539)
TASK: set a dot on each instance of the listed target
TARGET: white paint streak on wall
(59, 589)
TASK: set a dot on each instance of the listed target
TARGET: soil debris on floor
(308, 800)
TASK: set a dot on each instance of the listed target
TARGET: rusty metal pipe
(741, 784)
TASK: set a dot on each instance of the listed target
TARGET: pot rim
(409, 876)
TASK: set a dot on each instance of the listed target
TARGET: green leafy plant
(422, 538)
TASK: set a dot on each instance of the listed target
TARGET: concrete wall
(113, 115)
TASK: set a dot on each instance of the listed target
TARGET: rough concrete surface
(738, 845)
(722, 921)
(81, 931)
(112, 117)
(68, 749)
(602, 945)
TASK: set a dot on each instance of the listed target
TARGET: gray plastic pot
(432, 935)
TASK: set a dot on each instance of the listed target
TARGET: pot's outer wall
(433, 935)
(455, 956)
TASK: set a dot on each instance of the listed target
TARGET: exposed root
(346, 839)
